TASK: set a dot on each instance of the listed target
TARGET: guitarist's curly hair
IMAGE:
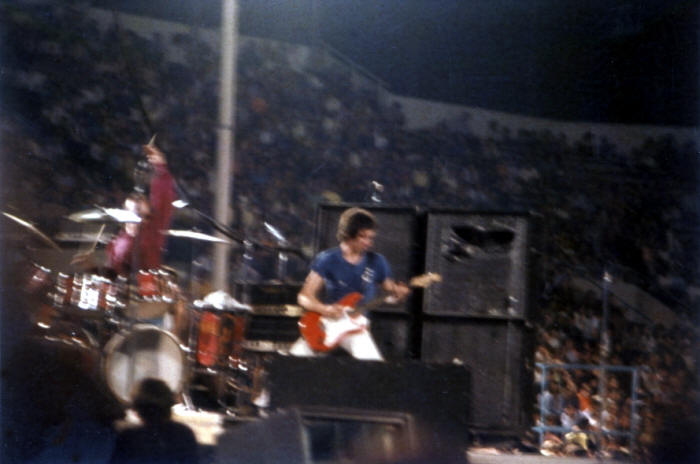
(352, 221)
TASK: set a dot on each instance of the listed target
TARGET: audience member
(159, 439)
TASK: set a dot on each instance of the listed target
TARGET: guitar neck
(421, 281)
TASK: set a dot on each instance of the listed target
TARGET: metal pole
(604, 349)
(543, 386)
(225, 132)
(633, 412)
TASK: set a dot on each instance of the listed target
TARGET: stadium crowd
(593, 412)
(80, 97)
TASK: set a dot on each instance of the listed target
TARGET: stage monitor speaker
(437, 396)
(497, 353)
(397, 239)
(352, 435)
(483, 261)
(328, 434)
(278, 438)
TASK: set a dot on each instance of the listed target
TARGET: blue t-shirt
(341, 277)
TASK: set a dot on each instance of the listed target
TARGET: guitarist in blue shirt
(341, 280)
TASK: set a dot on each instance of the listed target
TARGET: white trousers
(360, 345)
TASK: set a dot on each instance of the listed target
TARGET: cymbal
(105, 215)
(196, 236)
(89, 215)
(30, 227)
(83, 237)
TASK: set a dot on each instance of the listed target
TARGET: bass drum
(140, 352)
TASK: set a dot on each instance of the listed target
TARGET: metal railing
(633, 430)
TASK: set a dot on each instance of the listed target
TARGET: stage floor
(485, 456)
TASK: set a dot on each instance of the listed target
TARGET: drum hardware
(243, 388)
(235, 394)
(76, 338)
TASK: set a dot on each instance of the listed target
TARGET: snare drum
(140, 352)
(155, 294)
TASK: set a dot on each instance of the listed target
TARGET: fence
(631, 433)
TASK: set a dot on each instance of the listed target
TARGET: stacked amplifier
(476, 316)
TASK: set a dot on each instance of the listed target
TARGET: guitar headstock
(425, 280)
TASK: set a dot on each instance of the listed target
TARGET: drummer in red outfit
(135, 253)
(155, 213)
(140, 245)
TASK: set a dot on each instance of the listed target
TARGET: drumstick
(152, 142)
(97, 239)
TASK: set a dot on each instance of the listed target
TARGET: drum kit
(145, 326)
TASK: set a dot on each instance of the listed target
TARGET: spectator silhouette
(159, 439)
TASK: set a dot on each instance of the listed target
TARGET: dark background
(620, 61)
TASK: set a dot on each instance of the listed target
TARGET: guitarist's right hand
(333, 311)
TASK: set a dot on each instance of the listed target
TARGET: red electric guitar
(324, 334)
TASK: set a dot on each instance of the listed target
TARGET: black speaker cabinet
(437, 396)
(397, 239)
(278, 438)
(483, 260)
(497, 353)
(393, 334)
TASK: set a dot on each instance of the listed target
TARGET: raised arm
(162, 188)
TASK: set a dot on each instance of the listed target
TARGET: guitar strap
(369, 272)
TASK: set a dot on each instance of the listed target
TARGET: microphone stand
(250, 245)
(282, 257)
(233, 235)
